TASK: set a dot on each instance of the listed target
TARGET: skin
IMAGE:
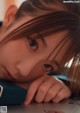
(25, 64)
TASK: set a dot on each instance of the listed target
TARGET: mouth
(8, 75)
(13, 78)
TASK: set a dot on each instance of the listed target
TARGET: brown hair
(57, 16)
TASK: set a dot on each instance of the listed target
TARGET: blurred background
(4, 4)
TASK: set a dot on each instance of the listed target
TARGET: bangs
(50, 23)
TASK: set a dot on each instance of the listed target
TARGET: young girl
(36, 41)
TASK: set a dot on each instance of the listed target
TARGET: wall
(4, 4)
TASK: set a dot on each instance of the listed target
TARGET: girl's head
(40, 32)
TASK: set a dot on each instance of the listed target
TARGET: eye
(33, 43)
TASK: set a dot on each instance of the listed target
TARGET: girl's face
(23, 59)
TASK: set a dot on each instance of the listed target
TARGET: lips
(14, 78)
(8, 75)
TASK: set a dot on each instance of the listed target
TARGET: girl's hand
(47, 88)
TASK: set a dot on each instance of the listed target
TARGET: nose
(23, 68)
(26, 66)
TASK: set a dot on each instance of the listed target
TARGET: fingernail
(26, 103)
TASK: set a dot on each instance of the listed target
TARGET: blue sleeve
(11, 94)
(63, 78)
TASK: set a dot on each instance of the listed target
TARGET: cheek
(12, 52)
(36, 71)
(8, 54)
(35, 64)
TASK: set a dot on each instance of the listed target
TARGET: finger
(43, 89)
(53, 91)
(32, 90)
(62, 94)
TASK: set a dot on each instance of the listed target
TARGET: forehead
(55, 38)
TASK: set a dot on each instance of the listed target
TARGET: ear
(10, 14)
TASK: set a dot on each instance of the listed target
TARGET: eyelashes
(48, 67)
(33, 44)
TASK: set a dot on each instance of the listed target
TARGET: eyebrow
(42, 39)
